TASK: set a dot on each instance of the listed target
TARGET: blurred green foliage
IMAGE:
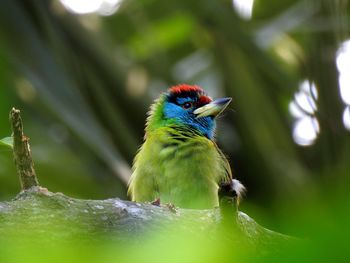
(6, 142)
(84, 84)
(328, 241)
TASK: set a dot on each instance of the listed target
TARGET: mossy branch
(21, 152)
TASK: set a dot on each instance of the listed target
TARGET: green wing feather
(226, 165)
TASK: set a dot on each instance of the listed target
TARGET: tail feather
(232, 189)
(239, 189)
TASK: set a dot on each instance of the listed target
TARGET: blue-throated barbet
(179, 161)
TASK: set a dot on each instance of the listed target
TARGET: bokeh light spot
(346, 117)
(343, 64)
(305, 131)
(244, 8)
(102, 7)
(302, 108)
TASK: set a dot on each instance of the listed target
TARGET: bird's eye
(187, 105)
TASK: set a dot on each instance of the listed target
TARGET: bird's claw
(171, 207)
(156, 202)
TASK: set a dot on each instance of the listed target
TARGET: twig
(21, 152)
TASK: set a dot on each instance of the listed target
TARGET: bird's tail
(232, 190)
(239, 189)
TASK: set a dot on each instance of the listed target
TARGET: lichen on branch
(21, 152)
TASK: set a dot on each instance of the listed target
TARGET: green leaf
(7, 142)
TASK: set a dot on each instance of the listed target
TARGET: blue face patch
(205, 125)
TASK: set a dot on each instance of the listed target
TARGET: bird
(179, 162)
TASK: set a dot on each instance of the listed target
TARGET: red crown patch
(185, 88)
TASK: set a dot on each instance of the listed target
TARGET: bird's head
(188, 106)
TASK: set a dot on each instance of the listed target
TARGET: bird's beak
(214, 108)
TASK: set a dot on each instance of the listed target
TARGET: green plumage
(177, 164)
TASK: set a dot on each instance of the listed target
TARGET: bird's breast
(182, 166)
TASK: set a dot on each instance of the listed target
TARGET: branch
(36, 211)
(21, 152)
(64, 217)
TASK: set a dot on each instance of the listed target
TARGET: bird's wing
(147, 167)
(231, 185)
(226, 165)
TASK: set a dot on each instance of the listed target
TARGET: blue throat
(176, 114)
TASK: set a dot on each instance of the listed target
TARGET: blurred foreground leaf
(7, 142)
(37, 216)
